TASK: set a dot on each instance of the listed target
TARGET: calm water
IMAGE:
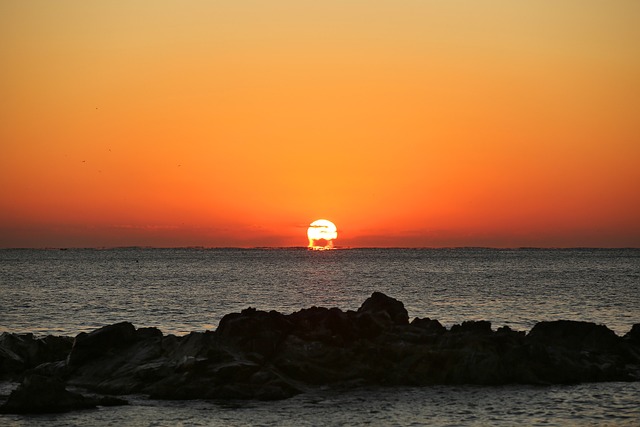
(66, 292)
(613, 404)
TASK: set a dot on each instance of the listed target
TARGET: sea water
(64, 292)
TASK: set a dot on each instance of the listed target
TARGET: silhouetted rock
(264, 355)
(40, 394)
(255, 331)
(634, 334)
(19, 352)
(125, 366)
(428, 325)
(472, 327)
(574, 335)
(572, 352)
(100, 342)
(380, 303)
(372, 324)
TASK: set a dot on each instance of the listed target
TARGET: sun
(321, 234)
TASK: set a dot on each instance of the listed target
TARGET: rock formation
(41, 394)
(256, 354)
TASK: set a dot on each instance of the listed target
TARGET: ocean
(64, 292)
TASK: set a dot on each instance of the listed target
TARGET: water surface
(183, 290)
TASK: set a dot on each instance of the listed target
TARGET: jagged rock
(574, 335)
(372, 324)
(87, 346)
(40, 394)
(429, 326)
(10, 361)
(255, 331)
(572, 352)
(19, 352)
(634, 334)
(472, 327)
(310, 324)
(340, 326)
(123, 369)
(330, 326)
(380, 303)
(51, 369)
(256, 354)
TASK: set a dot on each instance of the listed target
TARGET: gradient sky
(237, 123)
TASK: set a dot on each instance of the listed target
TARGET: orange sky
(407, 123)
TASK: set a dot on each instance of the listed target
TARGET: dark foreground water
(183, 290)
(611, 404)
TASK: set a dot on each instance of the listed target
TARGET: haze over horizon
(237, 124)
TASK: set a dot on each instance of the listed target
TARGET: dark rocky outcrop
(40, 394)
(378, 303)
(432, 326)
(19, 352)
(634, 334)
(105, 340)
(574, 335)
(264, 355)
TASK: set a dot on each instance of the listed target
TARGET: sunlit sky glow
(407, 123)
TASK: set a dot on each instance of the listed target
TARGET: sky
(237, 123)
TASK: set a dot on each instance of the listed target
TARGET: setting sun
(411, 124)
(321, 234)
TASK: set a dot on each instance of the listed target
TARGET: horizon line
(300, 247)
